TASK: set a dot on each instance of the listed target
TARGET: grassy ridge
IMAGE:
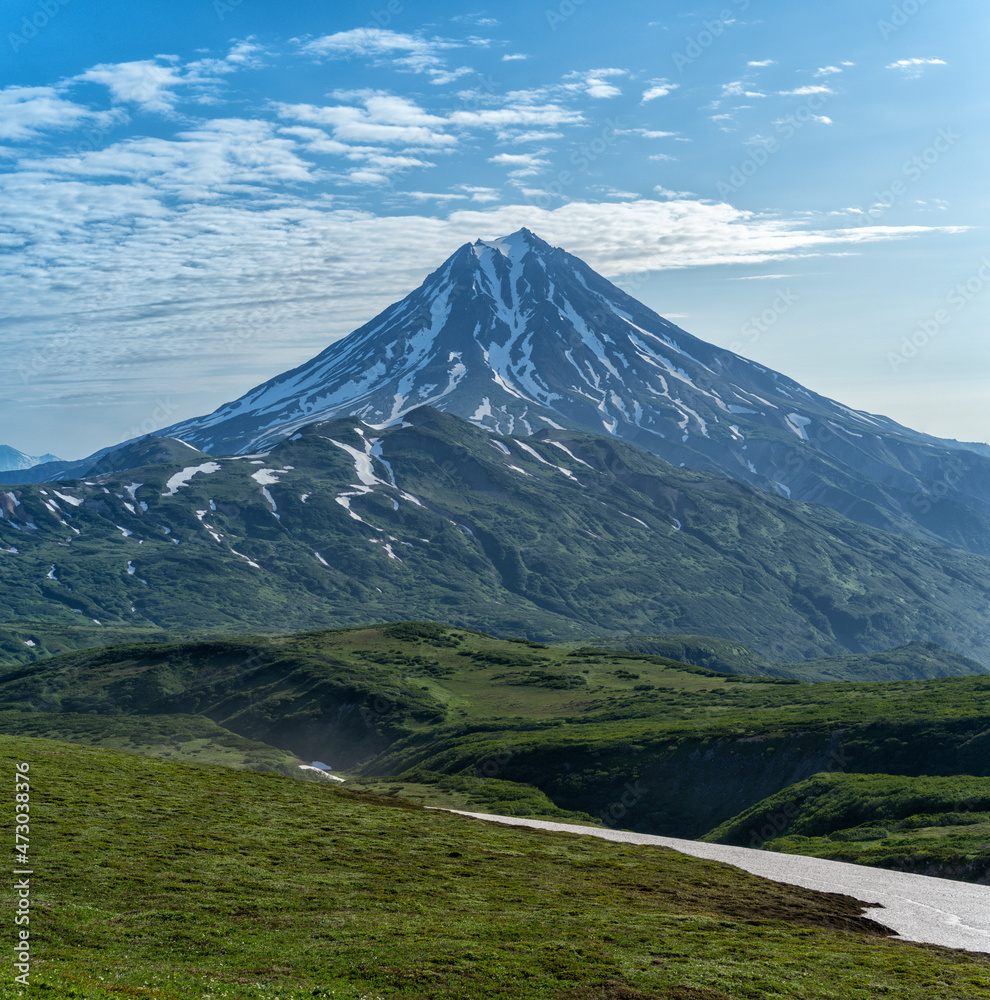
(913, 661)
(930, 826)
(631, 739)
(191, 738)
(176, 882)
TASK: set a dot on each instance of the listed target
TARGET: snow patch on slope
(182, 478)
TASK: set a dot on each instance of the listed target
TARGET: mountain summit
(518, 336)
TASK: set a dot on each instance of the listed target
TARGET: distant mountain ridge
(117, 458)
(11, 458)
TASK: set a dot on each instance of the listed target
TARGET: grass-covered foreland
(175, 737)
(468, 720)
(926, 825)
(177, 882)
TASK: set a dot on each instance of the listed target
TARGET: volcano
(516, 336)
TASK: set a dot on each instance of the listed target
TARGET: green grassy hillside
(177, 882)
(912, 661)
(633, 740)
(25, 641)
(930, 826)
(190, 738)
(558, 536)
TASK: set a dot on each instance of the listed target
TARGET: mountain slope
(11, 458)
(518, 336)
(424, 700)
(208, 882)
(913, 661)
(561, 535)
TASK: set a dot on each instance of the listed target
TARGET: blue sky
(195, 196)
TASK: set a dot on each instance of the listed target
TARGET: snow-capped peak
(515, 246)
(519, 337)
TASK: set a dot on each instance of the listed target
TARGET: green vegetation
(28, 641)
(617, 543)
(913, 661)
(455, 717)
(471, 793)
(175, 737)
(177, 882)
(930, 826)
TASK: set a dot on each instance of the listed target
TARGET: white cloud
(737, 88)
(442, 76)
(385, 118)
(144, 82)
(611, 192)
(663, 157)
(221, 157)
(762, 277)
(533, 136)
(412, 53)
(827, 70)
(594, 82)
(433, 196)
(762, 62)
(25, 112)
(913, 68)
(517, 115)
(667, 193)
(821, 119)
(523, 164)
(514, 56)
(377, 42)
(153, 84)
(806, 91)
(658, 88)
(480, 194)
